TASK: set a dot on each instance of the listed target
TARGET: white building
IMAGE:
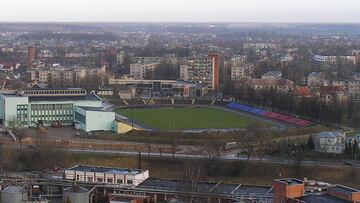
(138, 70)
(237, 60)
(354, 88)
(96, 174)
(120, 57)
(93, 119)
(330, 142)
(272, 75)
(316, 80)
(46, 107)
(335, 59)
(184, 72)
(242, 71)
(260, 45)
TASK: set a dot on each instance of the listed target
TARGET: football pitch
(188, 118)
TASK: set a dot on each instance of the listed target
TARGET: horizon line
(190, 22)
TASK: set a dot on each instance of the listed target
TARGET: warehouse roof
(98, 169)
(205, 187)
(322, 198)
(87, 108)
(344, 190)
(89, 97)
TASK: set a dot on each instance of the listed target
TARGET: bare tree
(173, 145)
(247, 140)
(190, 183)
(17, 129)
(262, 137)
(215, 148)
(160, 149)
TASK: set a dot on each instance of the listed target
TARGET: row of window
(51, 107)
(107, 180)
(54, 92)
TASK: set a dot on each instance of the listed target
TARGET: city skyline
(287, 11)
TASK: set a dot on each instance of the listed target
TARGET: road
(269, 160)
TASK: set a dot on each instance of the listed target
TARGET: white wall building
(96, 174)
(93, 119)
(316, 80)
(138, 70)
(330, 142)
(272, 75)
(242, 71)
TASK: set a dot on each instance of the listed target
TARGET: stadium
(198, 115)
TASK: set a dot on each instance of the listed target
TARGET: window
(99, 180)
(90, 179)
(80, 118)
(119, 181)
(109, 180)
(129, 182)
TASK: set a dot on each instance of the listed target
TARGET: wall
(99, 120)
(136, 179)
(9, 106)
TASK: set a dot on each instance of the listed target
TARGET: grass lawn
(188, 118)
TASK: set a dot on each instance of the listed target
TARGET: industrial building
(295, 191)
(44, 107)
(81, 184)
(95, 174)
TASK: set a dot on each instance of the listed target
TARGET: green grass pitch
(188, 118)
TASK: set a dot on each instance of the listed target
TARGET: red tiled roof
(331, 89)
(304, 92)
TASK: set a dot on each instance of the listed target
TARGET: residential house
(330, 142)
(315, 80)
(331, 94)
(272, 75)
(283, 85)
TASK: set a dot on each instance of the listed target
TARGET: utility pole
(139, 160)
(132, 113)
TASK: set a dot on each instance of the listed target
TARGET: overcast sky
(182, 10)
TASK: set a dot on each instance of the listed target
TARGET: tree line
(313, 108)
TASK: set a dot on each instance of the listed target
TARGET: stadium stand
(269, 114)
(162, 101)
(135, 102)
(118, 102)
(183, 101)
(202, 102)
(220, 103)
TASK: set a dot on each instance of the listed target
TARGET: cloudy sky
(182, 10)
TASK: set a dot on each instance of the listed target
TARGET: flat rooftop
(343, 189)
(322, 198)
(93, 108)
(290, 181)
(88, 97)
(205, 187)
(9, 94)
(97, 169)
